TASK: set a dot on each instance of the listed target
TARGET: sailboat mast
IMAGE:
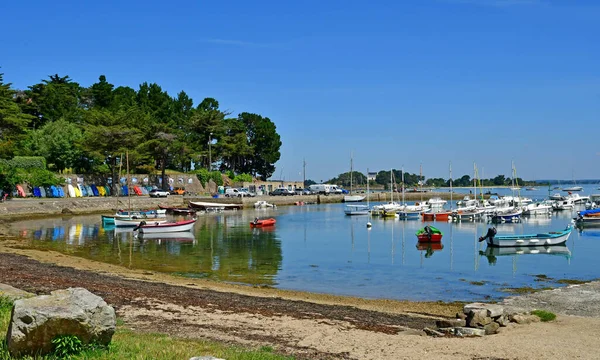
(391, 185)
(450, 185)
(403, 202)
(421, 181)
(350, 173)
(474, 180)
(512, 181)
(368, 195)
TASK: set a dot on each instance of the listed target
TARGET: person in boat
(255, 221)
(490, 234)
(428, 231)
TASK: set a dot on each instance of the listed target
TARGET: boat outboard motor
(138, 226)
(490, 234)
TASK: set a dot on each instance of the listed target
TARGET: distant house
(371, 176)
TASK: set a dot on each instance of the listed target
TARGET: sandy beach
(305, 325)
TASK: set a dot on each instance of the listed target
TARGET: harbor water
(318, 248)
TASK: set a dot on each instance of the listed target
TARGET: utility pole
(303, 172)
(209, 152)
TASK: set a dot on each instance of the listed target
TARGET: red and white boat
(156, 227)
(263, 222)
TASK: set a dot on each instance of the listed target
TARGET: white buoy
(368, 225)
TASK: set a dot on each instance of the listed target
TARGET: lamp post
(209, 152)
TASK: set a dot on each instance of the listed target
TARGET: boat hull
(263, 223)
(125, 222)
(426, 238)
(353, 198)
(108, 220)
(180, 226)
(544, 239)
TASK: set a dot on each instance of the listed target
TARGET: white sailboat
(409, 211)
(350, 197)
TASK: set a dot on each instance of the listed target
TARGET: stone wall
(189, 182)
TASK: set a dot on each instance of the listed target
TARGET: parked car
(281, 192)
(246, 192)
(158, 193)
(302, 192)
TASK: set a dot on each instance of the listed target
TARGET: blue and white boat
(356, 210)
(588, 218)
(512, 216)
(542, 239)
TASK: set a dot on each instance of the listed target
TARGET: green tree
(53, 99)
(108, 137)
(13, 122)
(58, 142)
(265, 141)
(102, 93)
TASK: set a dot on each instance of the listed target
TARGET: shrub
(67, 345)
(230, 174)
(544, 315)
(203, 175)
(40, 177)
(28, 162)
(242, 178)
(217, 178)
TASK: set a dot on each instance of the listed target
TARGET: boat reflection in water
(184, 236)
(491, 252)
(429, 247)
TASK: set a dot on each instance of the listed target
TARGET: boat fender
(138, 226)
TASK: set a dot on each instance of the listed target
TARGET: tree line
(385, 178)
(89, 129)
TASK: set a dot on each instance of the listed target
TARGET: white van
(232, 192)
(325, 189)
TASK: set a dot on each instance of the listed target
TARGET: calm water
(317, 248)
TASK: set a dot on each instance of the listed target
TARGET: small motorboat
(164, 227)
(541, 239)
(108, 220)
(429, 234)
(124, 221)
(262, 222)
(356, 210)
(261, 204)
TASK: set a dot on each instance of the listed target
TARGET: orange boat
(263, 222)
(442, 216)
(428, 216)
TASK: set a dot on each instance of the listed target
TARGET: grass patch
(544, 315)
(521, 291)
(571, 281)
(526, 290)
(127, 344)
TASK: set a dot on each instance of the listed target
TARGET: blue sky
(396, 83)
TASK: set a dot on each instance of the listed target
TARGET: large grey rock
(493, 310)
(74, 311)
(478, 318)
(450, 323)
(13, 293)
(465, 331)
(502, 320)
(491, 328)
(523, 318)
